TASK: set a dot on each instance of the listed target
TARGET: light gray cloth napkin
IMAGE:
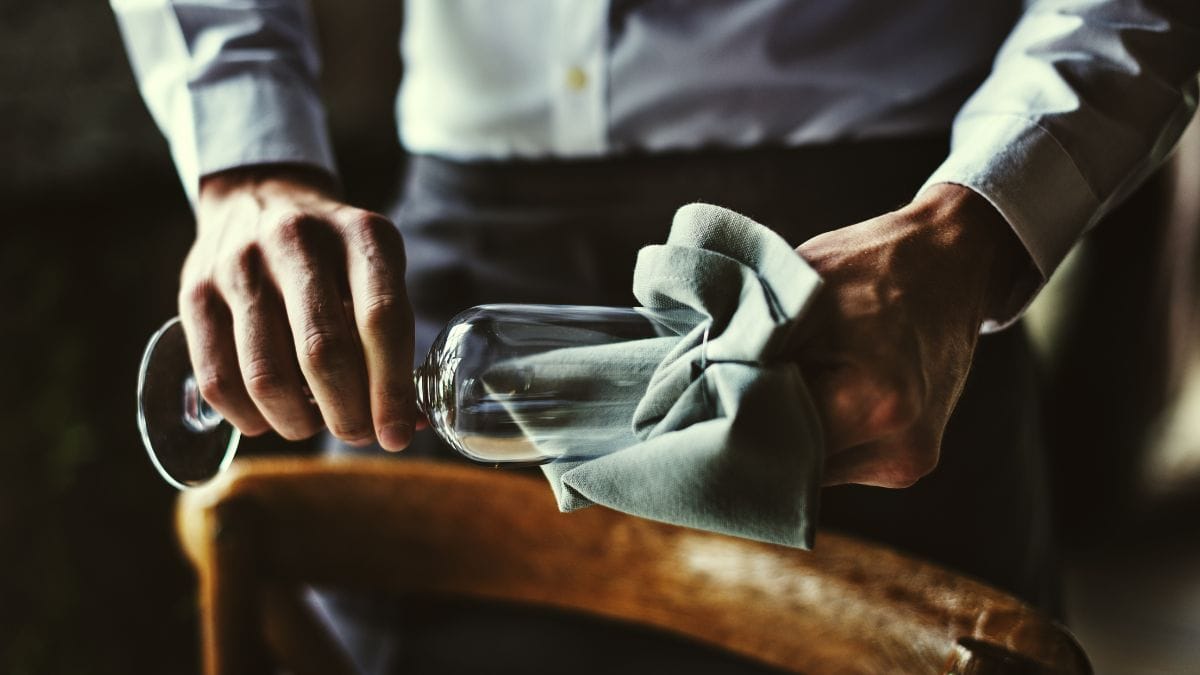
(726, 437)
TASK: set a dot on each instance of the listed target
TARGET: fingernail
(395, 436)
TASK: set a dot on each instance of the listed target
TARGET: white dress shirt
(1074, 101)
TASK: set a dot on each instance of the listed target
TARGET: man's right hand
(287, 287)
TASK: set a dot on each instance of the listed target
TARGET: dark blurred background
(94, 227)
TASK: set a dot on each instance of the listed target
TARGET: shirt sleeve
(229, 82)
(1085, 99)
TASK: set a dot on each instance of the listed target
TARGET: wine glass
(502, 384)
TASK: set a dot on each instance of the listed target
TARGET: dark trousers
(568, 232)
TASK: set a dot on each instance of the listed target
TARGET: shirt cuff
(1033, 182)
(254, 118)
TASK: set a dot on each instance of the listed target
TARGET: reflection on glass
(502, 384)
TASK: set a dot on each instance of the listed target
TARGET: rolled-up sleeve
(229, 82)
(1085, 99)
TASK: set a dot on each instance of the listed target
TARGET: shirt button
(577, 79)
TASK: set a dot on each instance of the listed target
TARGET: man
(551, 139)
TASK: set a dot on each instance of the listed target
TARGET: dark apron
(569, 231)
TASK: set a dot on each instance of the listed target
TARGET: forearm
(964, 231)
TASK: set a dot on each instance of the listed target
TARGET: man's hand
(287, 292)
(893, 334)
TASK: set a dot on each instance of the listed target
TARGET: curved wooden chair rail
(266, 528)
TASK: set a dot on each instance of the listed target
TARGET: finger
(309, 280)
(375, 266)
(897, 463)
(266, 357)
(208, 329)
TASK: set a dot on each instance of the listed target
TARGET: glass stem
(198, 415)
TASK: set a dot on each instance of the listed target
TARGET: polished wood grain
(266, 528)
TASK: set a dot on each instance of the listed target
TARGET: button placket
(577, 82)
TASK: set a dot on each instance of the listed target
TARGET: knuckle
(381, 311)
(370, 227)
(245, 269)
(894, 410)
(324, 350)
(377, 240)
(247, 258)
(291, 229)
(895, 401)
(216, 387)
(393, 407)
(264, 381)
(196, 295)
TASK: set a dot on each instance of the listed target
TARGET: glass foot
(188, 442)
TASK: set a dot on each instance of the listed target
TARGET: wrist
(980, 244)
(269, 180)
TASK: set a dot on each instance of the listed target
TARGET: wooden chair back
(267, 528)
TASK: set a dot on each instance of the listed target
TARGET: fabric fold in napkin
(726, 437)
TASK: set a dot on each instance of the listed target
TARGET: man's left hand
(893, 333)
